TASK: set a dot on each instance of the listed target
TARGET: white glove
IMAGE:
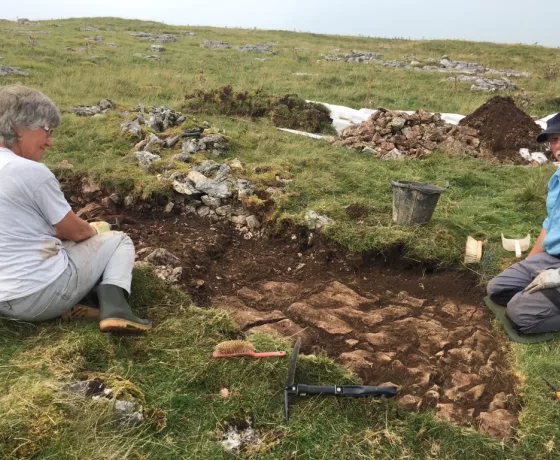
(547, 279)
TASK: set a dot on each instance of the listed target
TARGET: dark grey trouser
(531, 313)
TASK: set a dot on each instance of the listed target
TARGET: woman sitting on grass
(50, 258)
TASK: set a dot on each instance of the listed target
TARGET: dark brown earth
(390, 322)
(503, 129)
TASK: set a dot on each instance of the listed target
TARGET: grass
(172, 366)
(173, 369)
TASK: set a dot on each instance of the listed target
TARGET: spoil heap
(394, 134)
(503, 129)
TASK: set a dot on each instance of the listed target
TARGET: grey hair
(24, 108)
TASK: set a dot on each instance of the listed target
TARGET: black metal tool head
(289, 388)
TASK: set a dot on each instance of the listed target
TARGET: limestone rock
(246, 317)
(322, 320)
(162, 256)
(409, 403)
(285, 328)
(499, 424)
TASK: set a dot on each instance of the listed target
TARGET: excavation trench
(425, 331)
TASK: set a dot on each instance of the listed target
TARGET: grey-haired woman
(50, 258)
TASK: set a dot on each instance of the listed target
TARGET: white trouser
(107, 258)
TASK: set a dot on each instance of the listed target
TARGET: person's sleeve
(546, 224)
(50, 200)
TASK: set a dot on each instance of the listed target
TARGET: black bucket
(414, 202)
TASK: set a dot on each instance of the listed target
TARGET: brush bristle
(231, 347)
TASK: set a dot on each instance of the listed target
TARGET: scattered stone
(102, 106)
(89, 29)
(153, 57)
(237, 436)
(95, 38)
(210, 201)
(486, 84)
(258, 48)
(315, 220)
(185, 188)
(252, 222)
(162, 256)
(158, 48)
(146, 159)
(112, 45)
(5, 70)
(214, 44)
(164, 38)
(209, 186)
(173, 275)
(169, 207)
(128, 413)
(132, 128)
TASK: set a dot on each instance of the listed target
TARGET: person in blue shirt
(531, 288)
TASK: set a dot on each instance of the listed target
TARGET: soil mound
(503, 129)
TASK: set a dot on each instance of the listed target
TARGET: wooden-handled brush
(233, 348)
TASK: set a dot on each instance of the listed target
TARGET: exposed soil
(504, 129)
(426, 332)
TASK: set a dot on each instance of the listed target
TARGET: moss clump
(289, 111)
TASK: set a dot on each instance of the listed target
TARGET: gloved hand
(101, 227)
(547, 279)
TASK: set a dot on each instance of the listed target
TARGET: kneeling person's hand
(547, 279)
(101, 227)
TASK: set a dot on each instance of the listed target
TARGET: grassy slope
(171, 366)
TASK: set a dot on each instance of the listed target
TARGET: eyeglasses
(48, 130)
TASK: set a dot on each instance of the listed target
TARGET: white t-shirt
(31, 202)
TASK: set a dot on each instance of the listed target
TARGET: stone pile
(394, 135)
(488, 85)
(88, 111)
(5, 70)
(209, 188)
(159, 119)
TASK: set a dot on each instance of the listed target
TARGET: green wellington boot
(116, 315)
